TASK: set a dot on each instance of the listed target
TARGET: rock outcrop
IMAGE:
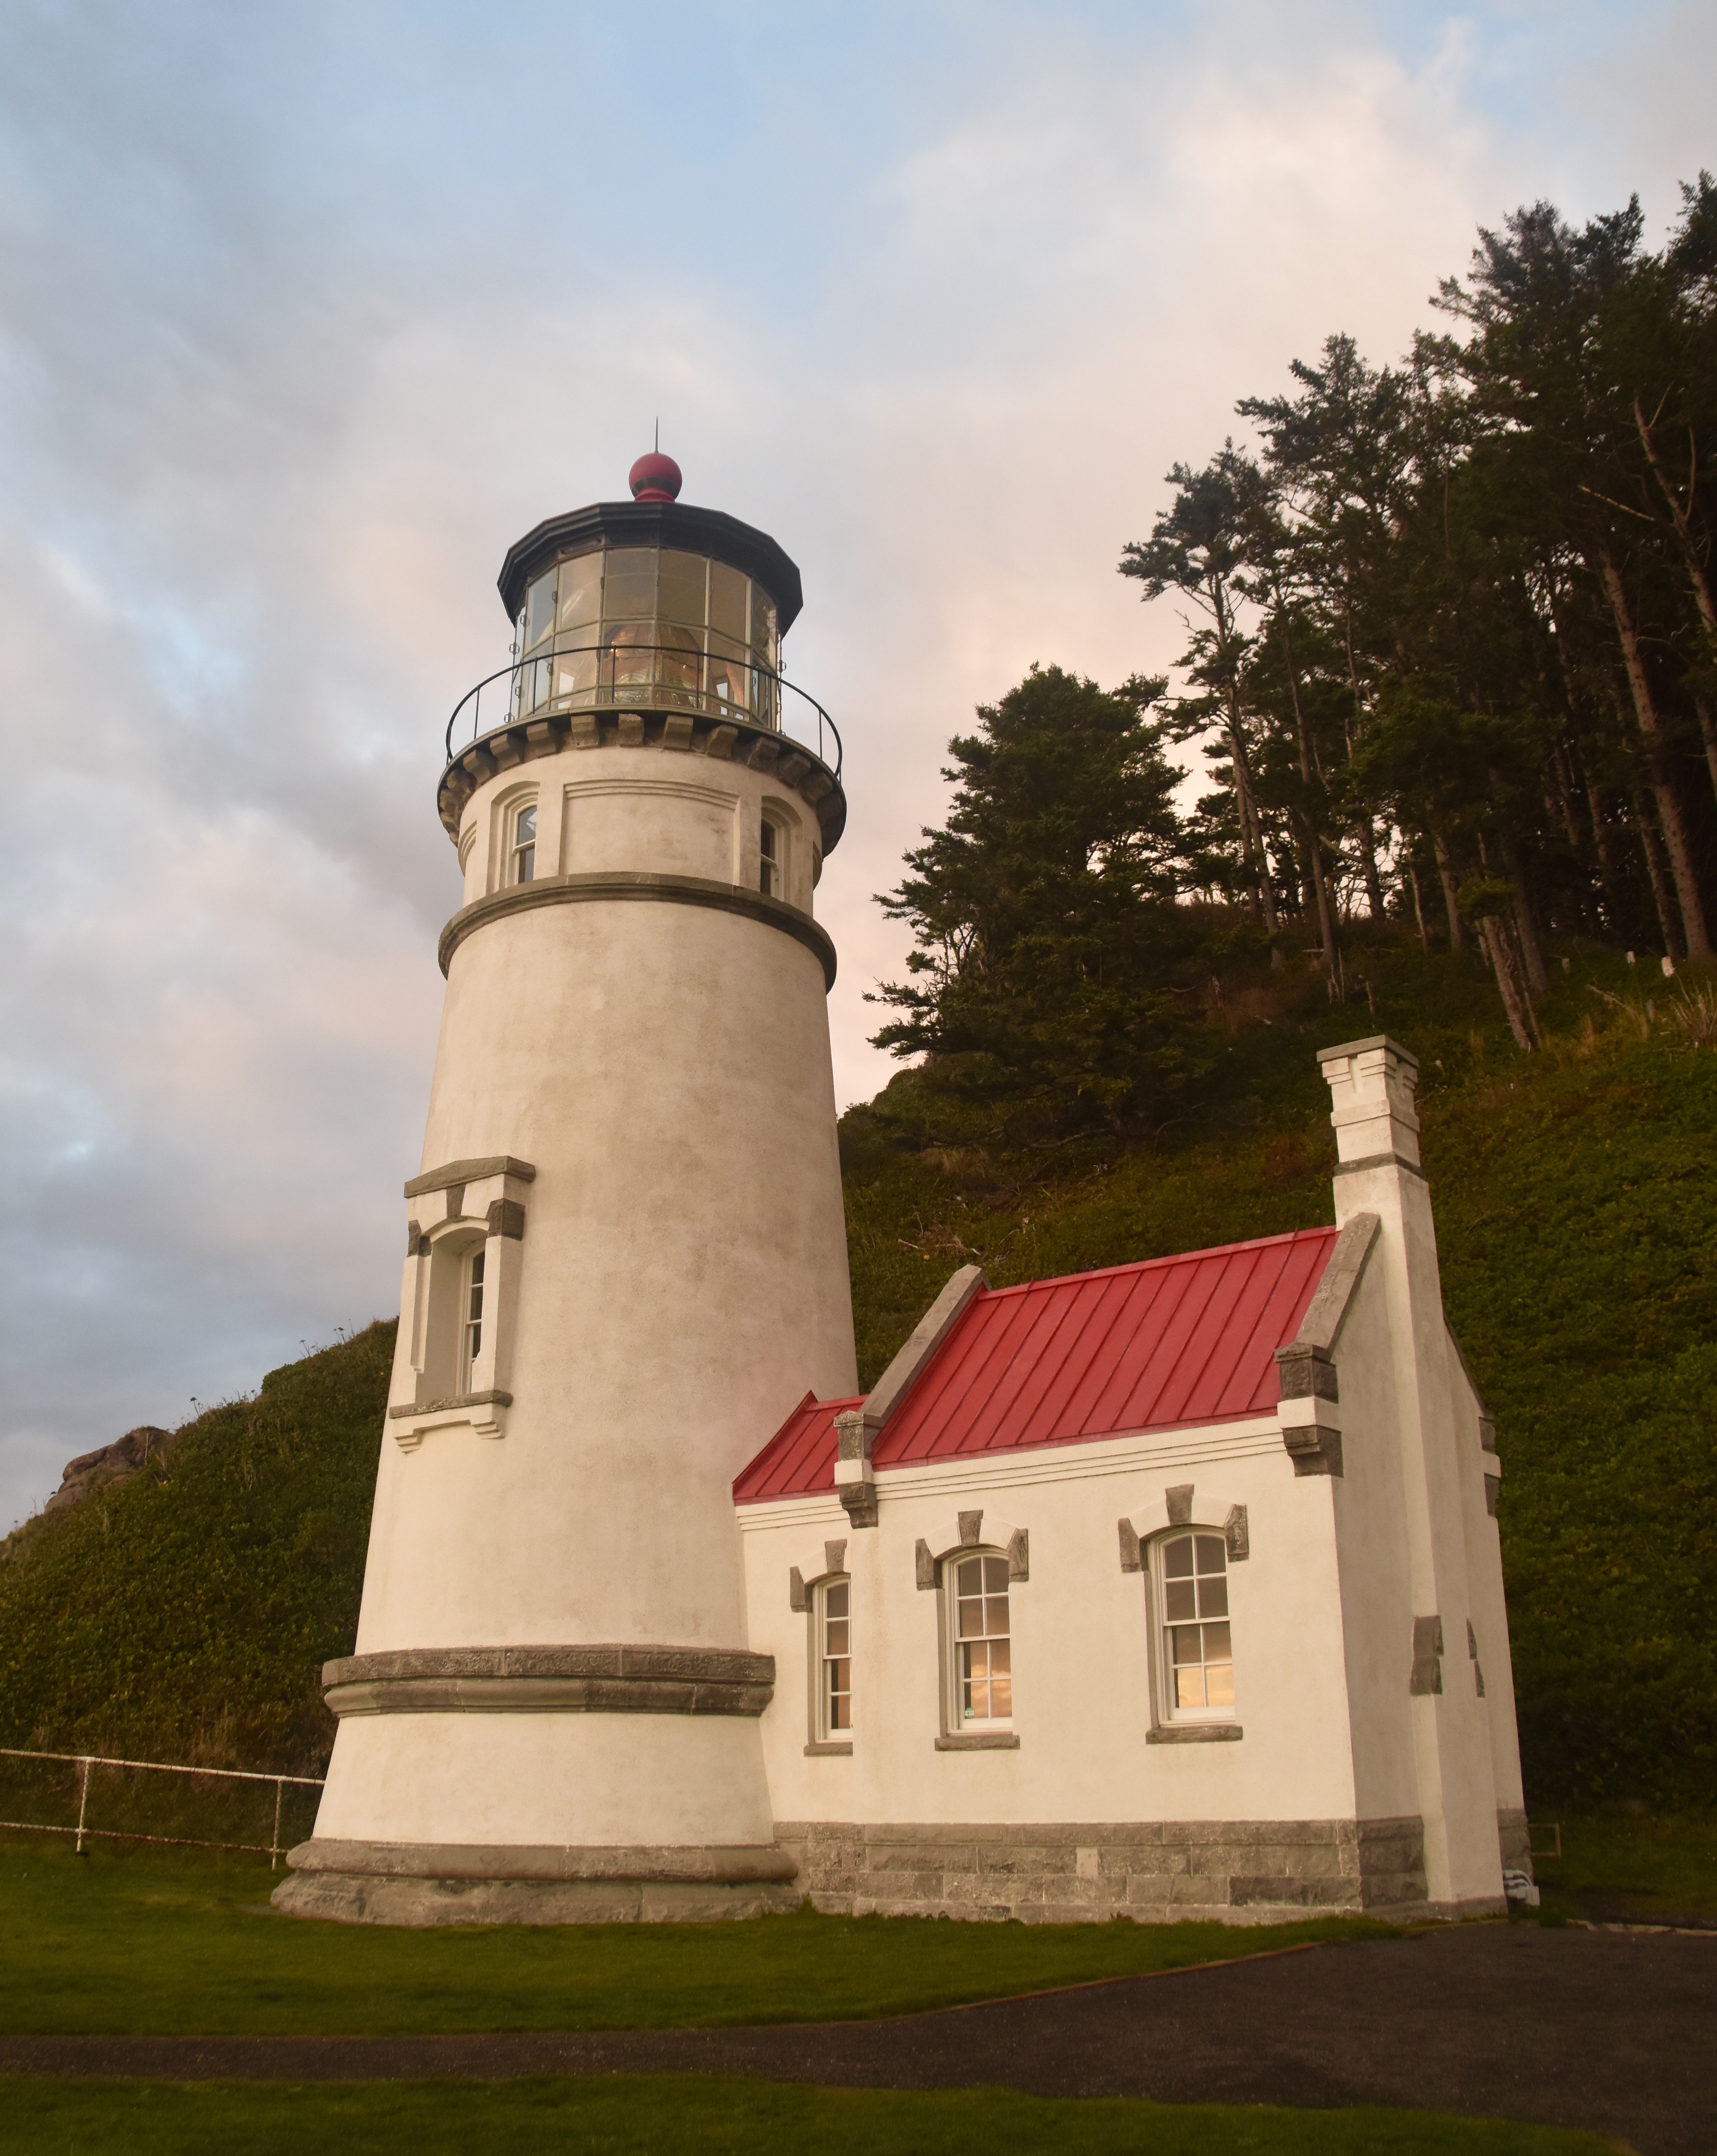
(109, 1464)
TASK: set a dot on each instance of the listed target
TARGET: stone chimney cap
(1371, 1040)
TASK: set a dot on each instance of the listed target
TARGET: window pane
(682, 589)
(835, 1597)
(728, 593)
(1177, 1558)
(539, 609)
(1178, 1599)
(995, 1616)
(1212, 1554)
(477, 1257)
(995, 1575)
(1185, 1640)
(629, 587)
(1000, 1658)
(763, 624)
(837, 1643)
(971, 1619)
(1219, 1685)
(970, 1575)
(1217, 1647)
(628, 661)
(581, 593)
(575, 672)
(1001, 1697)
(1212, 1598)
(526, 826)
(1189, 1687)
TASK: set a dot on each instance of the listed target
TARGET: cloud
(304, 317)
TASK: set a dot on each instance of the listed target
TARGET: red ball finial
(655, 478)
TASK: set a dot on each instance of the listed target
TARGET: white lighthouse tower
(626, 1257)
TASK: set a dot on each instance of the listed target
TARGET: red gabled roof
(1165, 1343)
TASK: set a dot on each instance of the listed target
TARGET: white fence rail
(83, 1831)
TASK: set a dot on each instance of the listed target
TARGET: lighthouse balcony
(644, 694)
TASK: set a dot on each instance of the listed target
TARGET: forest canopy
(1452, 664)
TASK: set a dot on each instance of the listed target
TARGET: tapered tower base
(416, 1884)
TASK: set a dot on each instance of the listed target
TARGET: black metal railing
(643, 677)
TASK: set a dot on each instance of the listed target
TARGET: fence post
(82, 1805)
(275, 1849)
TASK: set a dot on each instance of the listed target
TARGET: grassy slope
(187, 1616)
(187, 1619)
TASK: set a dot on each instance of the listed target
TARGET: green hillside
(184, 1614)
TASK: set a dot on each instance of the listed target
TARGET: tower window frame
(772, 856)
(473, 1268)
(1192, 1626)
(520, 866)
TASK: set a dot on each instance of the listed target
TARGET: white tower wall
(552, 1703)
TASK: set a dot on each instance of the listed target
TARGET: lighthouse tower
(626, 1257)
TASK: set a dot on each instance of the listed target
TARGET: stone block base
(1236, 1872)
(350, 1882)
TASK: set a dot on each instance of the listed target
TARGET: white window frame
(824, 1730)
(515, 869)
(955, 1721)
(772, 855)
(472, 1315)
(1170, 1712)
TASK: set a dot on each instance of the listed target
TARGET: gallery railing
(643, 677)
(83, 1831)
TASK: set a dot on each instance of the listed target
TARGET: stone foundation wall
(1236, 1870)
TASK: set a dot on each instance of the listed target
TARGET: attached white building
(1168, 1589)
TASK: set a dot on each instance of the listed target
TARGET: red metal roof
(1161, 1345)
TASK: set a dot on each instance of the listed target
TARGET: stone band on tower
(552, 1714)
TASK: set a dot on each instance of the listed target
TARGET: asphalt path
(1615, 2032)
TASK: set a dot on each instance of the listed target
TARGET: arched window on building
(981, 1681)
(1196, 1649)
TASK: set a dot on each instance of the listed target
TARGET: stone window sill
(1196, 1733)
(829, 1751)
(979, 1740)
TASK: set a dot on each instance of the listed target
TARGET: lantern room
(649, 604)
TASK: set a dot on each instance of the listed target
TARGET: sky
(307, 313)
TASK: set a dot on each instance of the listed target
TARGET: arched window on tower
(772, 859)
(522, 852)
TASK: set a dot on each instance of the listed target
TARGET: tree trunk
(1312, 847)
(1537, 978)
(1418, 900)
(1695, 573)
(1676, 843)
(1501, 964)
(1446, 877)
(1654, 868)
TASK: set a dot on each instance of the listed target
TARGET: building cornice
(615, 885)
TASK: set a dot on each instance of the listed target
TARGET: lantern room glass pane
(729, 601)
(763, 638)
(539, 610)
(629, 587)
(580, 590)
(684, 588)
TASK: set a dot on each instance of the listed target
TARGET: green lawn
(624, 2115)
(1642, 1870)
(141, 1942)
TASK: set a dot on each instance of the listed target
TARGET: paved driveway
(1612, 2031)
